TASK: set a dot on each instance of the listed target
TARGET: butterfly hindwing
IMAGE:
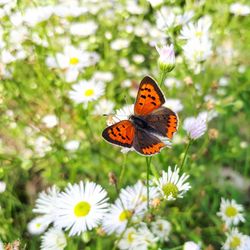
(164, 121)
(121, 133)
(149, 97)
(146, 143)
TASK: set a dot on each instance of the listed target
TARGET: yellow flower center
(198, 34)
(235, 242)
(231, 211)
(38, 225)
(130, 237)
(89, 92)
(124, 215)
(82, 209)
(73, 60)
(170, 189)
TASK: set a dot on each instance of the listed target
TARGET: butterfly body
(150, 122)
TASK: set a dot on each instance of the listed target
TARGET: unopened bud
(166, 60)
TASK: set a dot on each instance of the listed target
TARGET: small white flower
(86, 91)
(45, 204)
(240, 9)
(128, 240)
(103, 107)
(50, 121)
(174, 104)
(1, 245)
(190, 245)
(42, 145)
(120, 44)
(54, 239)
(171, 82)
(103, 76)
(83, 29)
(72, 145)
(231, 212)
(37, 226)
(136, 196)
(166, 60)
(195, 127)
(236, 241)
(81, 207)
(2, 186)
(171, 185)
(121, 114)
(130, 205)
(161, 228)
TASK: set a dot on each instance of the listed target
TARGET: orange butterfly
(150, 122)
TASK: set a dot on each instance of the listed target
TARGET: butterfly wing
(121, 133)
(146, 143)
(149, 97)
(164, 121)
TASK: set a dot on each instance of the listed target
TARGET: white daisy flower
(171, 185)
(37, 226)
(81, 207)
(72, 145)
(83, 29)
(86, 91)
(190, 245)
(131, 204)
(136, 196)
(236, 241)
(104, 107)
(195, 127)
(174, 104)
(45, 204)
(161, 228)
(135, 239)
(199, 30)
(54, 239)
(103, 76)
(50, 120)
(72, 61)
(119, 44)
(115, 221)
(121, 114)
(231, 212)
(239, 9)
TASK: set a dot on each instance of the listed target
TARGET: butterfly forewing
(149, 97)
(164, 121)
(146, 143)
(121, 133)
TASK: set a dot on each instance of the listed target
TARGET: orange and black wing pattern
(121, 133)
(146, 143)
(164, 121)
(149, 97)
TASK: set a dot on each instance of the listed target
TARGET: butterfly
(150, 124)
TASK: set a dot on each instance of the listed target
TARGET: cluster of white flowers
(84, 206)
(232, 214)
(198, 47)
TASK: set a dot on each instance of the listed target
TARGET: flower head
(195, 127)
(54, 239)
(239, 9)
(86, 91)
(190, 245)
(171, 185)
(166, 60)
(37, 226)
(161, 228)
(231, 212)
(236, 241)
(81, 207)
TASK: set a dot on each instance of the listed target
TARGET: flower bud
(166, 60)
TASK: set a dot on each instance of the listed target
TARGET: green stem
(123, 170)
(185, 154)
(163, 75)
(148, 161)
